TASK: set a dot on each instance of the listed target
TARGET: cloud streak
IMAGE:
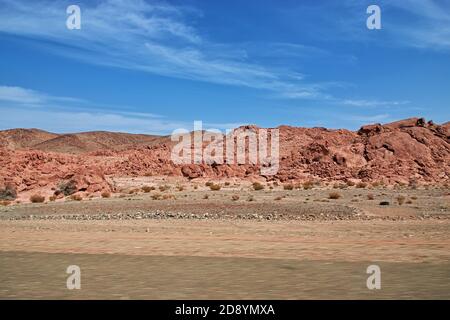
(149, 37)
(21, 107)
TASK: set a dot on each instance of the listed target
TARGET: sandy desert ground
(198, 243)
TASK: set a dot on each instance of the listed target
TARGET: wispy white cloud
(155, 38)
(30, 97)
(21, 107)
(20, 95)
(431, 24)
(373, 103)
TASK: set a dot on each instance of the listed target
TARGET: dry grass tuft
(361, 185)
(164, 188)
(8, 193)
(106, 194)
(288, 186)
(37, 198)
(257, 186)
(400, 200)
(147, 189)
(334, 195)
(156, 196)
(76, 197)
(5, 203)
(215, 187)
(350, 183)
(308, 185)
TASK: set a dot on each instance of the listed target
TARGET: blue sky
(151, 66)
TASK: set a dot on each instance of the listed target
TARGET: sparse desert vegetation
(76, 197)
(307, 185)
(66, 188)
(288, 186)
(400, 200)
(361, 185)
(106, 194)
(164, 188)
(5, 203)
(257, 186)
(215, 187)
(8, 192)
(37, 198)
(334, 195)
(147, 189)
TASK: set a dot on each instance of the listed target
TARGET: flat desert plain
(190, 242)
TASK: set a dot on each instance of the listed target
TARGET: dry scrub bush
(288, 186)
(376, 184)
(227, 183)
(66, 188)
(361, 185)
(413, 184)
(400, 200)
(8, 193)
(180, 188)
(370, 196)
(52, 198)
(205, 196)
(147, 189)
(278, 198)
(350, 183)
(334, 195)
(257, 186)
(37, 198)
(235, 197)
(156, 196)
(76, 197)
(164, 188)
(106, 194)
(208, 184)
(308, 185)
(215, 187)
(250, 198)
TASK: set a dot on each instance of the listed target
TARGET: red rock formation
(402, 151)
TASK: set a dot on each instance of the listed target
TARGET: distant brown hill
(73, 143)
(24, 138)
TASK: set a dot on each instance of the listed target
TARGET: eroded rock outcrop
(402, 151)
